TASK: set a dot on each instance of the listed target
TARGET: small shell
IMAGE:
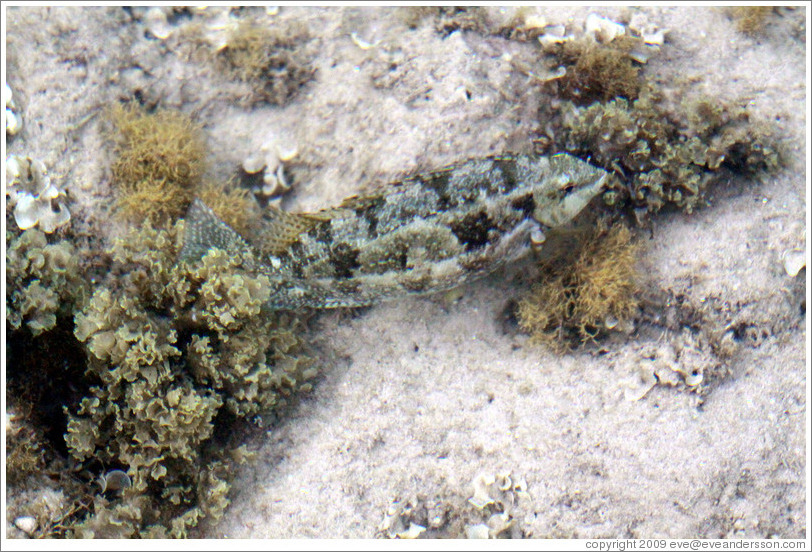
(115, 480)
(693, 379)
(654, 37)
(414, 531)
(559, 73)
(286, 153)
(553, 34)
(26, 524)
(157, 24)
(275, 182)
(604, 30)
(643, 52)
(535, 22)
(13, 123)
(641, 385)
(254, 163)
(503, 481)
(794, 261)
(482, 495)
(537, 237)
(361, 43)
(478, 531)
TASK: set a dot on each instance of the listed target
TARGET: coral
(43, 280)
(274, 60)
(176, 351)
(35, 200)
(666, 158)
(581, 297)
(159, 160)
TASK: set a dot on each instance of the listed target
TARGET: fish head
(570, 186)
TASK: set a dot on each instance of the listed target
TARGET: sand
(419, 396)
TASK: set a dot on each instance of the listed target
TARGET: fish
(426, 233)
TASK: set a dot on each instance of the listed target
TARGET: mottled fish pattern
(429, 232)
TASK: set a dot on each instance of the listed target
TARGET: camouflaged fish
(428, 233)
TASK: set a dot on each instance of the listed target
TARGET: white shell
(286, 153)
(535, 22)
(26, 212)
(478, 531)
(412, 532)
(26, 524)
(794, 260)
(254, 163)
(692, 380)
(157, 23)
(604, 30)
(35, 199)
(643, 382)
(115, 480)
(13, 123)
(361, 43)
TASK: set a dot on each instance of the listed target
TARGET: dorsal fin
(204, 230)
(282, 229)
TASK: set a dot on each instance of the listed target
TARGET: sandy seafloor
(418, 396)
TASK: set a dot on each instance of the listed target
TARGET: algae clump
(598, 72)
(43, 280)
(159, 161)
(274, 61)
(583, 295)
(665, 158)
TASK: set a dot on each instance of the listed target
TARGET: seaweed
(447, 19)
(583, 295)
(43, 280)
(159, 162)
(598, 72)
(274, 61)
(178, 351)
(664, 158)
(751, 20)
